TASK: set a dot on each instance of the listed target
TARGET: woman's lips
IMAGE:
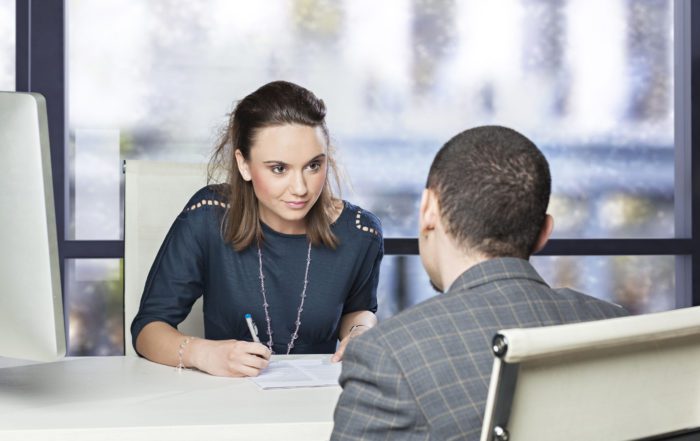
(296, 204)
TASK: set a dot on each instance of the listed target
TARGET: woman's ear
(243, 168)
(545, 232)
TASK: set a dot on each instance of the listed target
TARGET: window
(7, 44)
(95, 306)
(398, 83)
(641, 283)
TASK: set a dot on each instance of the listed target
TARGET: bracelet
(355, 326)
(180, 365)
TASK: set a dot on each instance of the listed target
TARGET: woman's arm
(161, 343)
(352, 325)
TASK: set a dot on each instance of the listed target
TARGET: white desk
(128, 398)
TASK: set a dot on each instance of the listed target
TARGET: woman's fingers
(354, 333)
(245, 347)
(338, 356)
(247, 359)
(248, 365)
(259, 349)
(245, 371)
(254, 361)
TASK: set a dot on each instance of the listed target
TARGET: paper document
(298, 373)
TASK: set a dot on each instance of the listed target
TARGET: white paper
(286, 374)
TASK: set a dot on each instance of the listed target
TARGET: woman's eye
(314, 166)
(277, 169)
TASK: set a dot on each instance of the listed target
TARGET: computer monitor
(31, 306)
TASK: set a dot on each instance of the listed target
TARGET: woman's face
(287, 166)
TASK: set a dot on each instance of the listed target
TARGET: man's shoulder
(471, 308)
(513, 286)
(424, 321)
(595, 307)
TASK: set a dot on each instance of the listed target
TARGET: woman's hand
(356, 331)
(352, 325)
(229, 358)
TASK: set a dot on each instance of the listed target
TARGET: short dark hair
(493, 186)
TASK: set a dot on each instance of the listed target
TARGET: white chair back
(155, 193)
(620, 379)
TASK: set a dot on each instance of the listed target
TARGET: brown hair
(276, 103)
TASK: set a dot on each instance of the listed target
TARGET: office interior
(605, 88)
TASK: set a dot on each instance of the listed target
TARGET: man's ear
(429, 212)
(243, 168)
(545, 232)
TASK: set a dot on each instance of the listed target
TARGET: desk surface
(124, 398)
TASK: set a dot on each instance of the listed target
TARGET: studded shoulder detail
(204, 202)
(359, 225)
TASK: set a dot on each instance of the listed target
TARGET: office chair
(155, 193)
(628, 378)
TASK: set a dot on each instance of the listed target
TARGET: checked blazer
(424, 373)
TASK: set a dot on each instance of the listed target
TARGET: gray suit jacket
(424, 374)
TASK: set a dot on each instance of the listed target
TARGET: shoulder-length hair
(276, 103)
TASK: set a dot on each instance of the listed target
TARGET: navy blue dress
(194, 260)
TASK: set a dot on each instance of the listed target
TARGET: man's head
(487, 193)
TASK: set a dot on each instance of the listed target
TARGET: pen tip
(247, 316)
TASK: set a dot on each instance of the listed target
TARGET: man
(424, 374)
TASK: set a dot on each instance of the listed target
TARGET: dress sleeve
(363, 294)
(176, 278)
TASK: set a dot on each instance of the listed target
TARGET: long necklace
(295, 334)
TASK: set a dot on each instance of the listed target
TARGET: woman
(272, 242)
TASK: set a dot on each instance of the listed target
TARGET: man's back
(424, 374)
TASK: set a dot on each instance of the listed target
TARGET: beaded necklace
(295, 334)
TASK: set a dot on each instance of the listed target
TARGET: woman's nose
(298, 187)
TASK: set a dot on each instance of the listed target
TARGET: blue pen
(253, 329)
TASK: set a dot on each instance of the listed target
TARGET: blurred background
(589, 81)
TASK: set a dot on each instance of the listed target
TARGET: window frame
(41, 67)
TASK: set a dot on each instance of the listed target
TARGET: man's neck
(454, 261)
